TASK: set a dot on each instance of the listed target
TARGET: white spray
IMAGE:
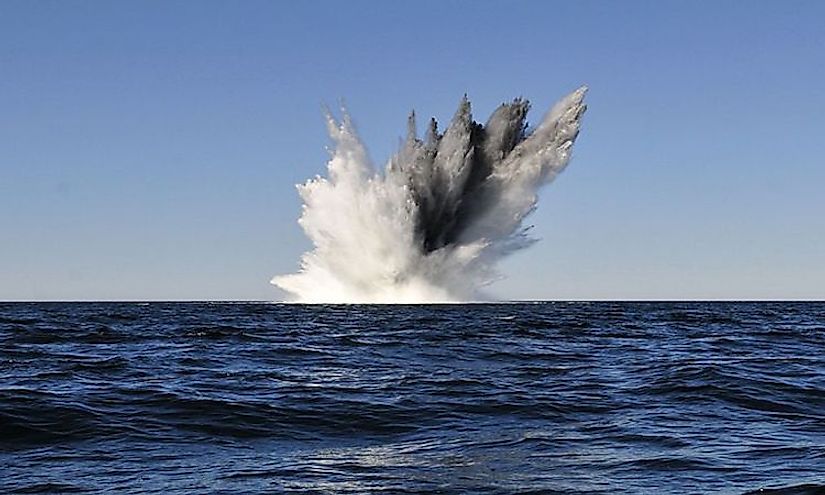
(432, 226)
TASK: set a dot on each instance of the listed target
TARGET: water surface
(667, 398)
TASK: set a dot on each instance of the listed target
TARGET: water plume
(432, 225)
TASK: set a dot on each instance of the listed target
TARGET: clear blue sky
(149, 149)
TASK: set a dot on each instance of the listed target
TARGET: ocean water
(650, 398)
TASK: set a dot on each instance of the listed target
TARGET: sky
(149, 150)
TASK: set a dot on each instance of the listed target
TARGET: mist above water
(433, 224)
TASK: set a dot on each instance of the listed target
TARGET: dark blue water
(513, 398)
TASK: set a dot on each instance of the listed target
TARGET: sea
(516, 398)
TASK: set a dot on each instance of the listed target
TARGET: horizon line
(502, 301)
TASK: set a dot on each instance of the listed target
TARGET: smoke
(433, 224)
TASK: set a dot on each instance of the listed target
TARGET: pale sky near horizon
(149, 149)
